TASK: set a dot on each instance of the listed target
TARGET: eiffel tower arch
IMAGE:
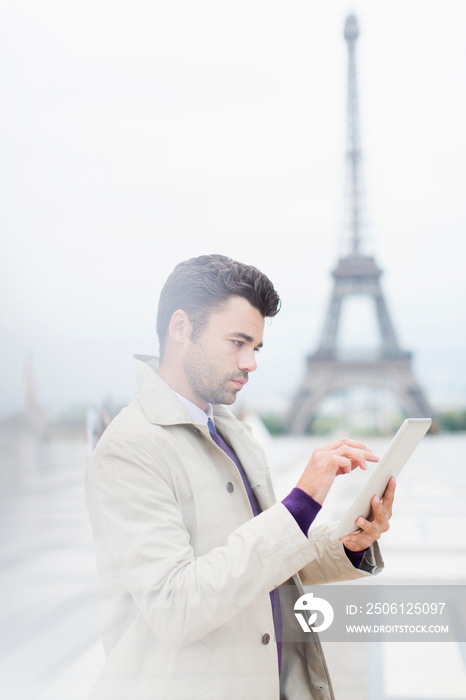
(329, 369)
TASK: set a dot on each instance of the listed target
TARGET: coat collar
(160, 403)
(162, 407)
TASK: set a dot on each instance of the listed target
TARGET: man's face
(218, 362)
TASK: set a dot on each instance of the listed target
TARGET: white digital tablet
(397, 454)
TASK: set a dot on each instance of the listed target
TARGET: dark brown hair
(203, 284)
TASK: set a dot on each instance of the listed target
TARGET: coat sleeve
(331, 563)
(138, 522)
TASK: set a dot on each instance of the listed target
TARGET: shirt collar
(196, 413)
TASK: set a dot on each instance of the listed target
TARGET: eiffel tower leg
(319, 382)
(410, 393)
(329, 335)
(387, 332)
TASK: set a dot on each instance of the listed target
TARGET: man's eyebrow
(248, 338)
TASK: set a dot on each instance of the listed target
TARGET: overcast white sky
(135, 134)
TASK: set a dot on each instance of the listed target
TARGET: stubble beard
(205, 379)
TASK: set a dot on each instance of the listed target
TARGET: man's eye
(238, 343)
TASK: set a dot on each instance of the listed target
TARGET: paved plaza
(50, 645)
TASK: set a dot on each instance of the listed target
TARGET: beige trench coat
(185, 569)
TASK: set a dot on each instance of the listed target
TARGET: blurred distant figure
(92, 433)
(98, 418)
(107, 413)
(34, 411)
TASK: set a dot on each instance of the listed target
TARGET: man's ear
(180, 327)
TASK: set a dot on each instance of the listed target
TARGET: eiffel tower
(328, 369)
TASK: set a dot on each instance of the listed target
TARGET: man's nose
(247, 360)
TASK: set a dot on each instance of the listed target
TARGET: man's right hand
(327, 462)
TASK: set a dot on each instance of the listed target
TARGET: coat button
(230, 487)
(266, 638)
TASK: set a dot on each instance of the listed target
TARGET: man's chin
(225, 399)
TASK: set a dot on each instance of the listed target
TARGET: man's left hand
(371, 530)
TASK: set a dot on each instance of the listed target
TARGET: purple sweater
(304, 510)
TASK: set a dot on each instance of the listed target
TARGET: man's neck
(176, 380)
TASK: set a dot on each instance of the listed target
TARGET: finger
(344, 465)
(356, 453)
(359, 457)
(357, 541)
(344, 441)
(379, 524)
(379, 514)
(389, 495)
(372, 457)
(369, 530)
(382, 509)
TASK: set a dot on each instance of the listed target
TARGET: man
(192, 549)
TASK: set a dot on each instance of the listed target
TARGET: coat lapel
(249, 452)
(162, 407)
